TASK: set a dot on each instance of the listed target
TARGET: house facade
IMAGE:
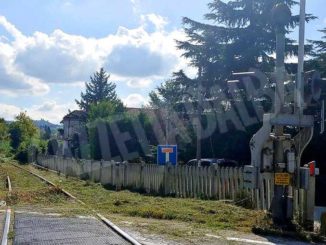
(75, 134)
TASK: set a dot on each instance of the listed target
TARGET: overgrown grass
(3, 187)
(32, 193)
(180, 219)
(210, 214)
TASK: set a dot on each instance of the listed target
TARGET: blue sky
(49, 48)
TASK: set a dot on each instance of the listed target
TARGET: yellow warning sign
(282, 179)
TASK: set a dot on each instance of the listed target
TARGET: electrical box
(291, 162)
(304, 178)
(250, 176)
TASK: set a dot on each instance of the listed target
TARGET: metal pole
(280, 76)
(199, 98)
(280, 71)
(279, 200)
(322, 117)
(167, 129)
(300, 86)
(302, 23)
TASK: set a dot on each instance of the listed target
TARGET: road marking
(209, 235)
(235, 239)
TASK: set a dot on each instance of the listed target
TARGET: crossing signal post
(273, 151)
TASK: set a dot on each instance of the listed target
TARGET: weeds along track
(54, 189)
(27, 190)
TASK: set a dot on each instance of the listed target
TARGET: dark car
(206, 162)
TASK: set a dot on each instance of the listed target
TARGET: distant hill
(42, 123)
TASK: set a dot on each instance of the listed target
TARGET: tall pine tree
(99, 89)
(237, 35)
(319, 55)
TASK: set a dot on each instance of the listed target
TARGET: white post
(300, 78)
(322, 117)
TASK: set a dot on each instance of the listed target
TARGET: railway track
(112, 230)
(6, 226)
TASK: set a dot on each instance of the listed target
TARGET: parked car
(206, 162)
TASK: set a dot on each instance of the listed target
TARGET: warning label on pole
(282, 179)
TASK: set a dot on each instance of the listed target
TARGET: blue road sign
(167, 154)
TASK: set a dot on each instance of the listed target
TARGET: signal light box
(167, 154)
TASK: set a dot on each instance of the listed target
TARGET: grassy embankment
(184, 219)
(200, 214)
(30, 193)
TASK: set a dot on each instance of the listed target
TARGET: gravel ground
(224, 237)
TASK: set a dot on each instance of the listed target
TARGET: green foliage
(100, 113)
(202, 213)
(103, 110)
(237, 35)
(4, 138)
(25, 137)
(46, 133)
(104, 117)
(99, 89)
(52, 147)
(319, 55)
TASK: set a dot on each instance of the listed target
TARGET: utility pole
(300, 78)
(167, 128)
(276, 154)
(199, 112)
(281, 17)
(300, 89)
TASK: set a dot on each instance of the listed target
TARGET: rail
(107, 222)
(6, 228)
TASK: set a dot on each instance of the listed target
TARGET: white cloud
(29, 64)
(135, 6)
(158, 21)
(139, 83)
(135, 56)
(11, 78)
(135, 100)
(48, 110)
(9, 112)
(11, 28)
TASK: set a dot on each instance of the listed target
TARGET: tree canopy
(236, 36)
(4, 138)
(319, 55)
(99, 89)
(25, 136)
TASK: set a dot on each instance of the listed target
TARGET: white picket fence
(180, 181)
